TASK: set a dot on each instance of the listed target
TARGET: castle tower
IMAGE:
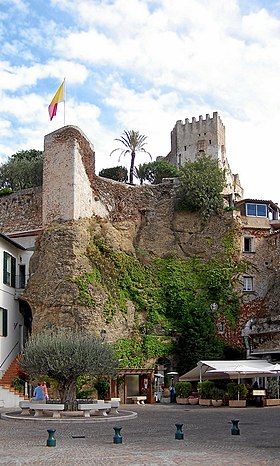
(190, 139)
(67, 175)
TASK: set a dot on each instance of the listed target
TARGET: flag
(58, 97)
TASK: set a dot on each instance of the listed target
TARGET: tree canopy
(118, 173)
(132, 142)
(154, 172)
(202, 183)
(23, 170)
(64, 355)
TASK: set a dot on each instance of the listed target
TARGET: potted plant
(205, 389)
(193, 400)
(217, 397)
(183, 390)
(236, 394)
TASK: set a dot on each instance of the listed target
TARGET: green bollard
(117, 437)
(179, 433)
(51, 442)
(235, 429)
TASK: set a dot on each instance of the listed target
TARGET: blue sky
(143, 65)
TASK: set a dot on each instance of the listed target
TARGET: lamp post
(172, 387)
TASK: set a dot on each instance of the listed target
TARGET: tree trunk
(67, 391)
(131, 167)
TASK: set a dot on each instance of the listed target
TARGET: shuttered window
(9, 269)
(3, 322)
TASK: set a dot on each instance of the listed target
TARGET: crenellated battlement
(202, 136)
(201, 125)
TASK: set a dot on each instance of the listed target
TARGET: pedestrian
(38, 394)
(46, 395)
(172, 393)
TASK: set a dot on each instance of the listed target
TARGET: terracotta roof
(135, 371)
(257, 201)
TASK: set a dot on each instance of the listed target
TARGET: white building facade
(14, 325)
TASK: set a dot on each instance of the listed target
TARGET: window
(21, 277)
(248, 244)
(256, 210)
(180, 160)
(201, 145)
(247, 283)
(220, 327)
(3, 322)
(9, 270)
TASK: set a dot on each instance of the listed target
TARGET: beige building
(259, 248)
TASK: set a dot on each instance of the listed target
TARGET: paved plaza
(148, 439)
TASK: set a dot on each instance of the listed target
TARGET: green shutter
(13, 271)
(5, 322)
(5, 267)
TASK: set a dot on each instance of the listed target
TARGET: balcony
(275, 224)
(20, 284)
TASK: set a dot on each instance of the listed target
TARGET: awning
(135, 371)
(213, 370)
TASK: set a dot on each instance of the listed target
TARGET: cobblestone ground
(149, 439)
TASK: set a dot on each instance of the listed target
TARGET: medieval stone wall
(21, 211)
(76, 205)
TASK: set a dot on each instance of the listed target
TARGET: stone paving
(148, 439)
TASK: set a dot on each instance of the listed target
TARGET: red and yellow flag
(58, 97)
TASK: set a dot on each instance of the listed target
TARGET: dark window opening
(248, 244)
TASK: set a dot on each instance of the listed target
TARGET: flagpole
(64, 99)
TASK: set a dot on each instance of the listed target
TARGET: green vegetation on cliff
(201, 184)
(171, 293)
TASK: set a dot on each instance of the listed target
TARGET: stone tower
(68, 168)
(190, 139)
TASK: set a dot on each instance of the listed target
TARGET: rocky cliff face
(60, 266)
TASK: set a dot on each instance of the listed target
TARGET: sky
(143, 65)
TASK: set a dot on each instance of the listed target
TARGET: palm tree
(133, 142)
(140, 172)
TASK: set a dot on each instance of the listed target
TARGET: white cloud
(143, 65)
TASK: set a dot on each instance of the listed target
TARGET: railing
(14, 347)
(21, 281)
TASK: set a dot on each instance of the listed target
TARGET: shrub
(102, 386)
(183, 389)
(233, 389)
(18, 384)
(205, 389)
(218, 393)
(202, 182)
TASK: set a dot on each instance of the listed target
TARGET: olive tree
(64, 355)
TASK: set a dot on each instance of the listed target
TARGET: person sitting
(38, 394)
(46, 395)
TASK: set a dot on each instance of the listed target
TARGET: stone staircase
(9, 396)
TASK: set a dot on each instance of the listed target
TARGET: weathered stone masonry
(75, 205)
